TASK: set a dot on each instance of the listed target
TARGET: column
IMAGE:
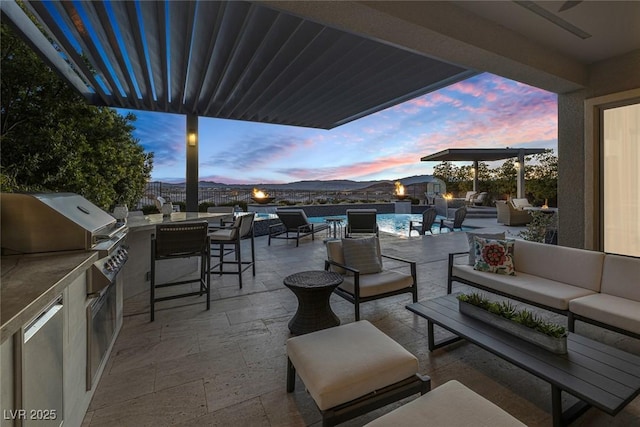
(192, 163)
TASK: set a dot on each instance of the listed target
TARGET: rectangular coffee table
(597, 374)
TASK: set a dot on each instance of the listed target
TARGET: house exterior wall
(578, 151)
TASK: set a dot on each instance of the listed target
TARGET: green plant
(537, 228)
(509, 311)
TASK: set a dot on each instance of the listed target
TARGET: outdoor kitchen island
(136, 271)
(30, 285)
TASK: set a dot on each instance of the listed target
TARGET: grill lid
(49, 222)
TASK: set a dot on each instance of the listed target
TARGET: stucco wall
(614, 75)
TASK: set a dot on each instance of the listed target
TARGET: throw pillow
(362, 254)
(494, 256)
(472, 249)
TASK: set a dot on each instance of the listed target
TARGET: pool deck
(227, 366)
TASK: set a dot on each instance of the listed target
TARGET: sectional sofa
(594, 287)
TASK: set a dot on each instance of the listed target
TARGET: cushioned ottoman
(352, 369)
(449, 405)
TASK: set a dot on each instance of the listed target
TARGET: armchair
(508, 215)
(359, 261)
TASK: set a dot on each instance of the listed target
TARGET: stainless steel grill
(59, 222)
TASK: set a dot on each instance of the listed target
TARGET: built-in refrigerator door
(42, 380)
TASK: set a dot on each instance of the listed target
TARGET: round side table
(313, 289)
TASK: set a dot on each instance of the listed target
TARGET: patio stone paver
(226, 366)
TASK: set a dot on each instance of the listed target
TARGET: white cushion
(380, 283)
(520, 204)
(362, 254)
(622, 313)
(449, 405)
(577, 267)
(343, 363)
(525, 286)
(621, 277)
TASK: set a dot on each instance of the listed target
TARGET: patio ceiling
(233, 60)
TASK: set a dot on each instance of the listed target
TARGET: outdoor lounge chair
(362, 221)
(458, 218)
(428, 218)
(294, 225)
(359, 261)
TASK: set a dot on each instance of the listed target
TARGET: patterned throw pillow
(362, 254)
(494, 256)
(472, 248)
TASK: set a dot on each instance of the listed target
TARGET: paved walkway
(227, 366)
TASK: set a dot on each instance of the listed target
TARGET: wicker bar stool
(181, 240)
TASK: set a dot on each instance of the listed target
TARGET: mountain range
(317, 185)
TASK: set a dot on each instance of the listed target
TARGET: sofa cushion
(494, 256)
(520, 204)
(621, 277)
(620, 312)
(376, 284)
(363, 254)
(335, 254)
(450, 404)
(470, 235)
(577, 267)
(343, 363)
(525, 286)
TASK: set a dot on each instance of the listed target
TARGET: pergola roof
(235, 60)
(479, 154)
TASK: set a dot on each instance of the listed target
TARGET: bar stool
(241, 229)
(181, 240)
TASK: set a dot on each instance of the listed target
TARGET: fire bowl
(263, 200)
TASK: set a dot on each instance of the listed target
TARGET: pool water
(389, 223)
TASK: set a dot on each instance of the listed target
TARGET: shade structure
(479, 154)
(485, 154)
(226, 59)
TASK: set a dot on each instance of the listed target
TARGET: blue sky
(485, 111)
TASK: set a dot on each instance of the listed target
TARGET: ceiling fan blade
(568, 5)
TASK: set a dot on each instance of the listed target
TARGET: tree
(51, 140)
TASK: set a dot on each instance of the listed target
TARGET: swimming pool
(389, 223)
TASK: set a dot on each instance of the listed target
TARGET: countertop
(29, 283)
(147, 222)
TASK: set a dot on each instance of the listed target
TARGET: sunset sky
(485, 111)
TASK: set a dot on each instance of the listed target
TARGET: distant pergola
(488, 155)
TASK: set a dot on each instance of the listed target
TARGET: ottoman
(449, 405)
(352, 369)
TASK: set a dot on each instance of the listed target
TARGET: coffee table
(313, 290)
(597, 374)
